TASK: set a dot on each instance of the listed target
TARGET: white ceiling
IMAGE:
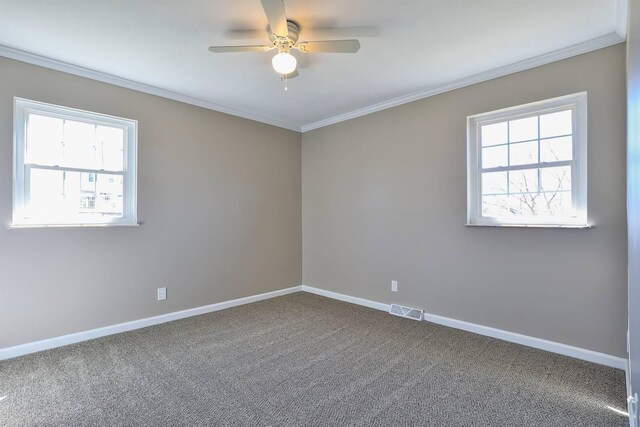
(408, 46)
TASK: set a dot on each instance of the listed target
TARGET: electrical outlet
(394, 286)
(162, 294)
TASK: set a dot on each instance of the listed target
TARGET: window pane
(556, 149)
(110, 142)
(494, 183)
(555, 179)
(109, 194)
(524, 204)
(555, 124)
(523, 153)
(44, 140)
(80, 149)
(87, 192)
(523, 181)
(495, 206)
(56, 142)
(523, 129)
(494, 134)
(527, 205)
(46, 193)
(525, 196)
(66, 196)
(494, 156)
(557, 203)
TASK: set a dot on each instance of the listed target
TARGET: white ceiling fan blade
(277, 17)
(330, 46)
(252, 48)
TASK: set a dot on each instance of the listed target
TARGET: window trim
(577, 102)
(21, 108)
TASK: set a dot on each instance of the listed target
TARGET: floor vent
(408, 312)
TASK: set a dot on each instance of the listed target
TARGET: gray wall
(218, 198)
(633, 190)
(384, 198)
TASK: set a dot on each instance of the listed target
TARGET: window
(72, 167)
(527, 165)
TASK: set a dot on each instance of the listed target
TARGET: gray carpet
(304, 360)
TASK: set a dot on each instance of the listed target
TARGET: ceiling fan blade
(330, 46)
(277, 17)
(252, 48)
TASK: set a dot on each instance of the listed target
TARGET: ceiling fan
(284, 34)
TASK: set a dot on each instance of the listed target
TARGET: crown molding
(594, 44)
(622, 10)
(42, 61)
(578, 49)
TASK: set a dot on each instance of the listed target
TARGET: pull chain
(283, 78)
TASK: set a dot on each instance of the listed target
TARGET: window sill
(18, 226)
(575, 226)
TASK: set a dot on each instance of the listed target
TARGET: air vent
(408, 312)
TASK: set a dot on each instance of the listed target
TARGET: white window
(72, 167)
(527, 165)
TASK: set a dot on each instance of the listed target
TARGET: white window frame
(21, 109)
(577, 103)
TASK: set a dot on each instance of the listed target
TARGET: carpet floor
(305, 360)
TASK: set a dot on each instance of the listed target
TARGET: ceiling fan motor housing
(286, 43)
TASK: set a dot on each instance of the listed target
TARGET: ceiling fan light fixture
(284, 63)
(283, 34)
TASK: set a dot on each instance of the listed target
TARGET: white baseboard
(554, 347)
(346, 298)
(33, 347)
(631, 410)
(551, 346)
(632, 397)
